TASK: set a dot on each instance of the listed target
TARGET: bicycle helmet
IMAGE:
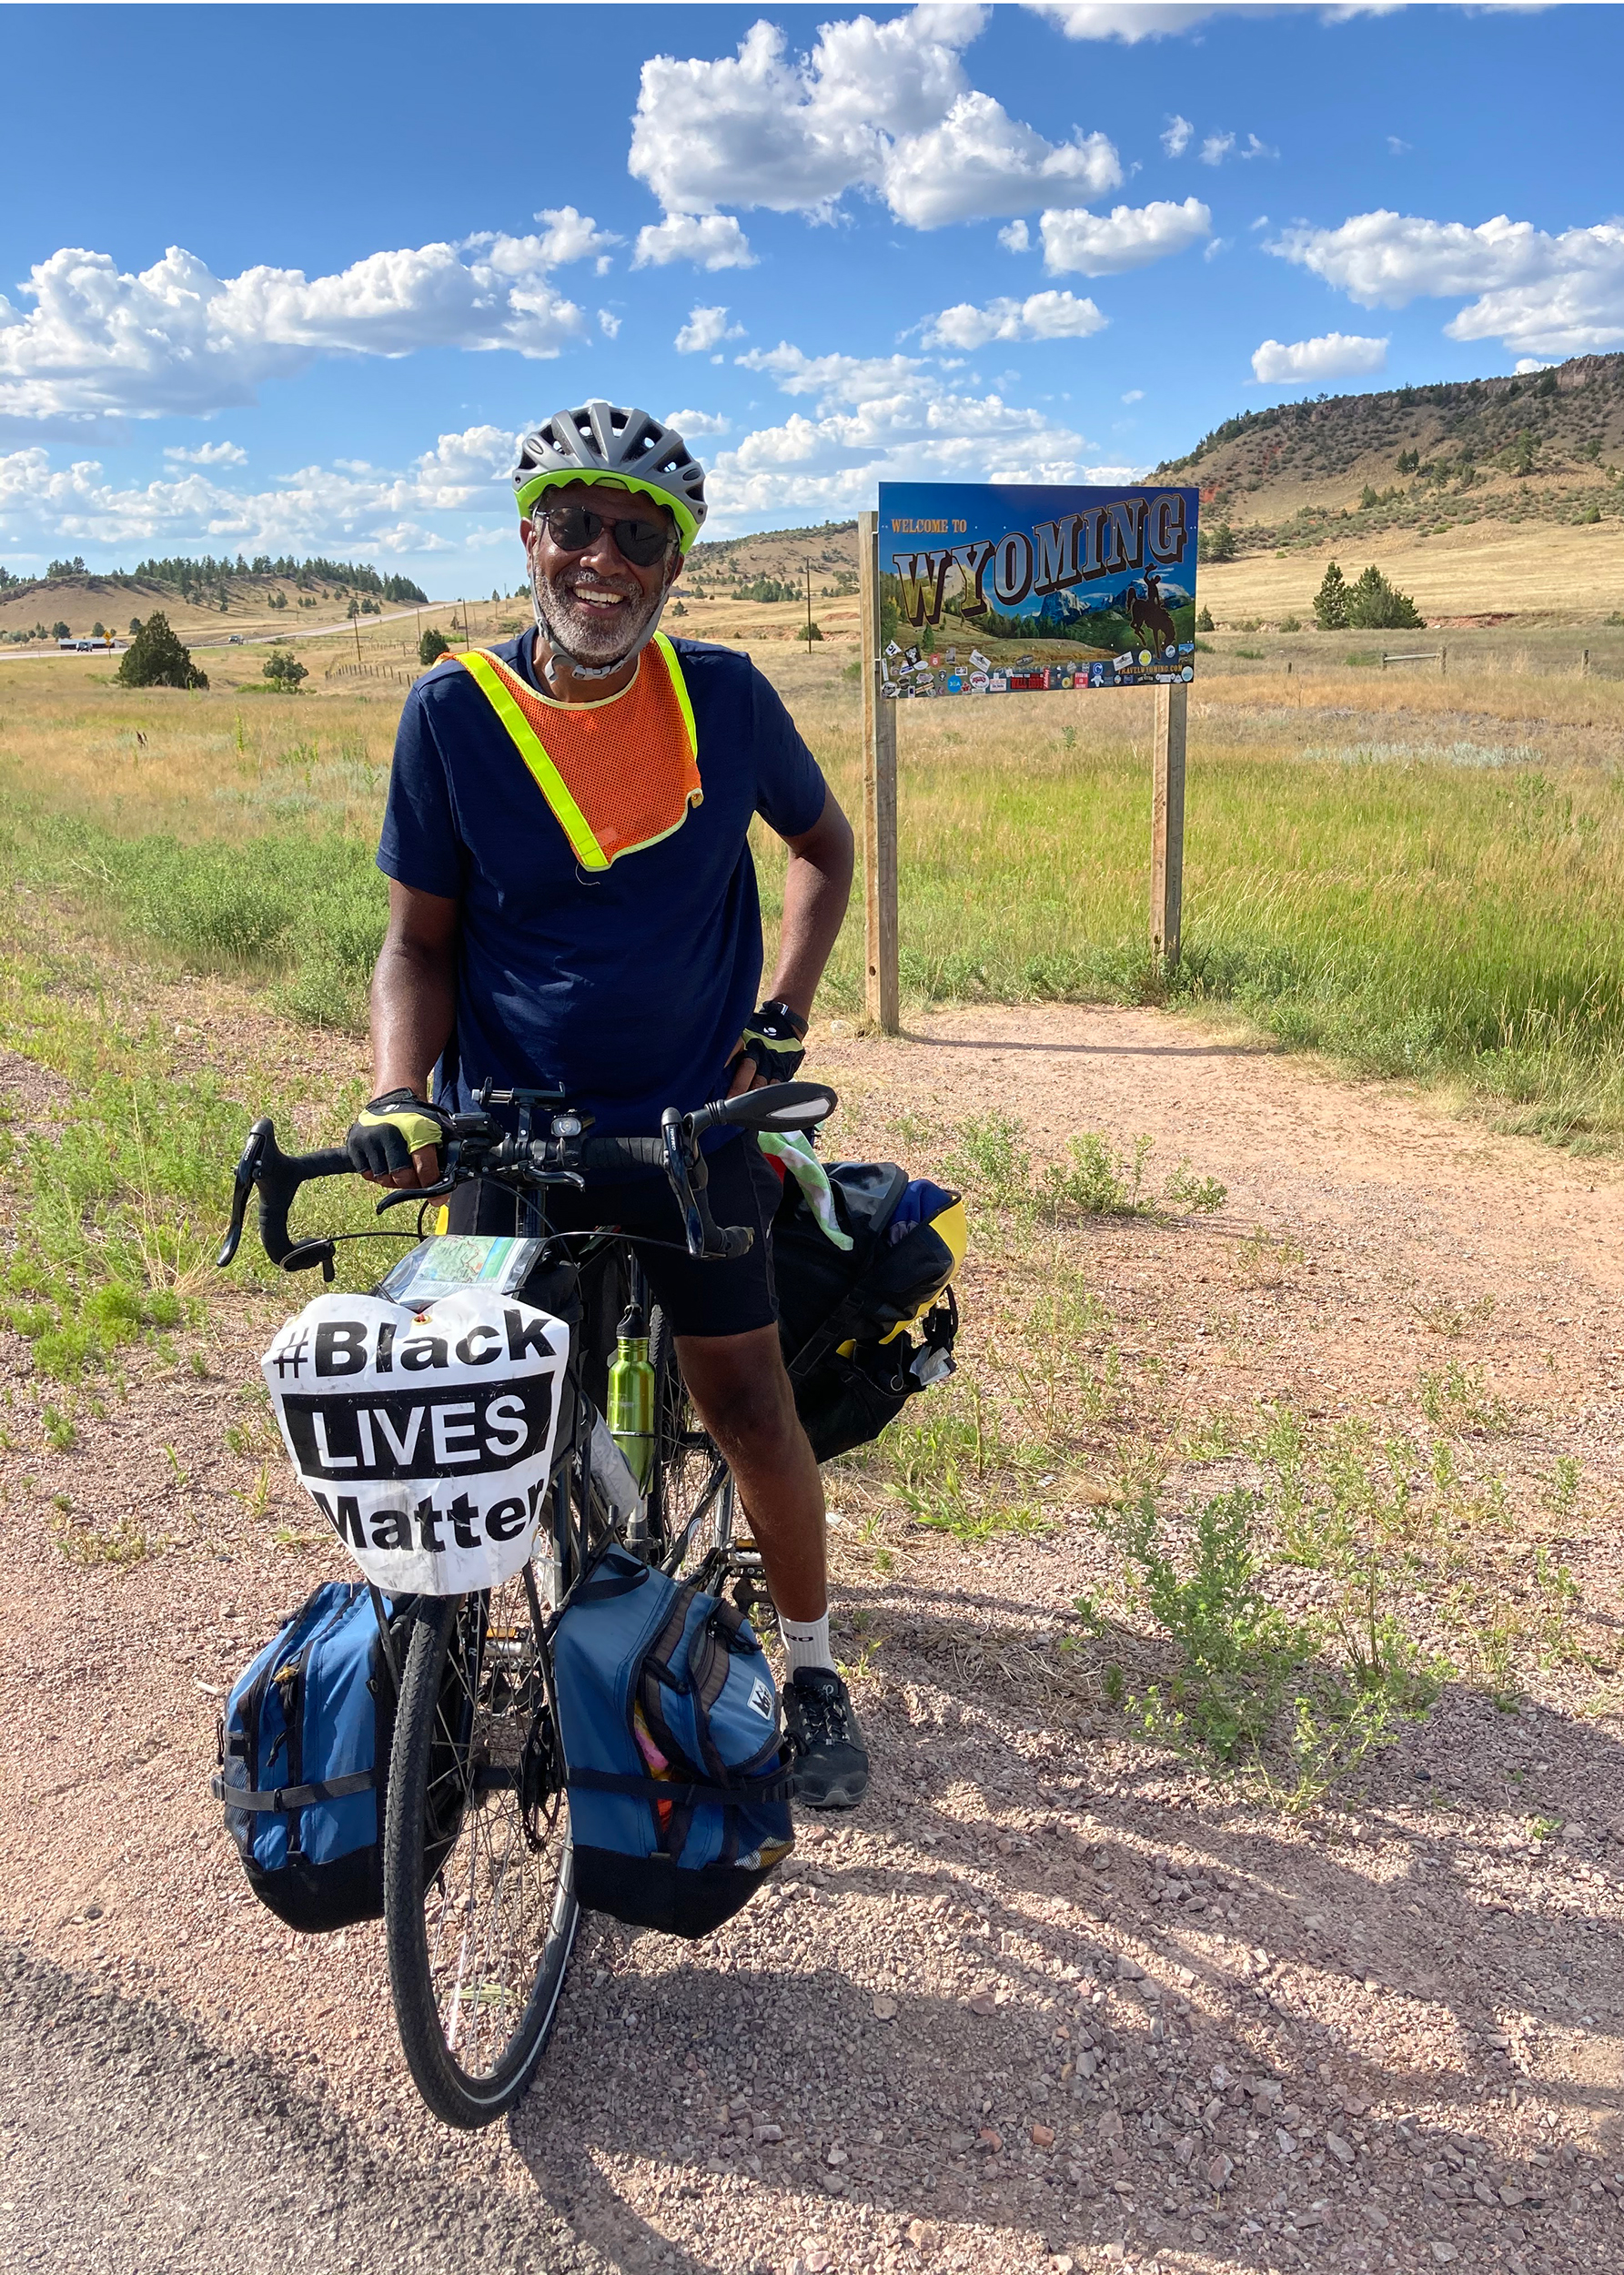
(598, 442)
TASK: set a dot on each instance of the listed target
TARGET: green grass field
(1418, 876)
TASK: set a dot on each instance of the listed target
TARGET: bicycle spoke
(499, 1899)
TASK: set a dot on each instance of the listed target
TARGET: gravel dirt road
(1056, 1999)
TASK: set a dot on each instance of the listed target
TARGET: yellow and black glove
(386, 1133)
(775, 1038)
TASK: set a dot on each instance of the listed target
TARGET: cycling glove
(386, 1133)
(774, 1038)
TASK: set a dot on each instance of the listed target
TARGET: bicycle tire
(685, 1463)
(480, 1913)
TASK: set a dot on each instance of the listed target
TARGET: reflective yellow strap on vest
(528, 743)
(673, 671)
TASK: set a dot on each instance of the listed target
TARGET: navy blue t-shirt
(627, 989)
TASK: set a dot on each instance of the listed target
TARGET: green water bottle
(631, 1397)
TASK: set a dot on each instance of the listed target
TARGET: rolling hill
(204, 605)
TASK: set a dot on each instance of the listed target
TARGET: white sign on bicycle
(424, 1437)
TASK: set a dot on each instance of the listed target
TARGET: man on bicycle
(573, 906)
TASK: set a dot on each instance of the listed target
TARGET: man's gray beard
(581, 634)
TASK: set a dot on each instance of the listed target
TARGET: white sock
(806, 1643)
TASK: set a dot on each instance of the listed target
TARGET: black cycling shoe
(831, 1760)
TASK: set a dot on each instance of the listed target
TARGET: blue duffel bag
(304, 1749)
(677, 1768)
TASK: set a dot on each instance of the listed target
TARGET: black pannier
(845, 1315)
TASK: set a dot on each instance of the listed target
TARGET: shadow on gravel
(132, 2144)
(1143, 2028)
(1095, 1050)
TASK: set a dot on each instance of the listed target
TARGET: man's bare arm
(817, 887)
(414, 1002)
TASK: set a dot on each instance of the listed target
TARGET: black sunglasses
(573, 528)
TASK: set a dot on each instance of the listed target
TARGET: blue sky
(1041, 243)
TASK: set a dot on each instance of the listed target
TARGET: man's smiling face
(597, 601)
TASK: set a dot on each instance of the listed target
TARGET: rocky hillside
(1419, 461)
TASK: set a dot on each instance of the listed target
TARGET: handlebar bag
(425, 1437)
(846, 1315)
(304, 1751)
(677, 1766)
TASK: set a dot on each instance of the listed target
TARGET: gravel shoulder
(1055, 1997)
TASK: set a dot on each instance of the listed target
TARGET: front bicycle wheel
(479, 1907)
(692, 1498)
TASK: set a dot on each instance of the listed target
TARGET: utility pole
(809, 642)
(355, 622)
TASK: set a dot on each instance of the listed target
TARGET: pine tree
(432, 646)
(155, 658)
(284, 671)
(1330, 602)
(1374, 605)
(1204, 620)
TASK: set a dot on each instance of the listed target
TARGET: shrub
(809, 632)
(1330, 602)
(1374, 605)
(155, 658)
(285, 669)
(1291, 623)
(1203, 619)
(1217, 545)
(432, 646)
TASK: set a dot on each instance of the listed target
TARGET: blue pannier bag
(303, 1759)
(677, 1767)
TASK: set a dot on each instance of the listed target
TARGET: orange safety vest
(619, 775)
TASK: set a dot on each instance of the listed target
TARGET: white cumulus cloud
(209, 454)
(1176, 141)
(882, 107)
(315, 509)
(1333, 356)
(701, 423)
(710, 240)
(571, 236)
(706, 329)
(1042, 316)
(980, 162)
(1129, 237)
(176, 337)
(1542, 294)
(1219, 147)
(1129, 21)
(883, 419)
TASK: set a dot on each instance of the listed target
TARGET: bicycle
(480, 1913)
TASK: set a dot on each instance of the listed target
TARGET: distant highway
(242, 640)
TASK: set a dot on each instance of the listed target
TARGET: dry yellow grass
(1494, 568)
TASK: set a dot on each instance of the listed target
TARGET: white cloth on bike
(795, 1151)
(424, 1437)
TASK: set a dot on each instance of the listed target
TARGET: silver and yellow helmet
(599, 442)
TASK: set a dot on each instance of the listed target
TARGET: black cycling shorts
(725, 1297)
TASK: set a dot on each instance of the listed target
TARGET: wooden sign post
(882, 991)
(1168, 822)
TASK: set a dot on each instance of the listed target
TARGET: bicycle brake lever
(242, 1186)
(414, 1192)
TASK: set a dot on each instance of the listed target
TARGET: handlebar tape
(278, 1182)
(624, 1153)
